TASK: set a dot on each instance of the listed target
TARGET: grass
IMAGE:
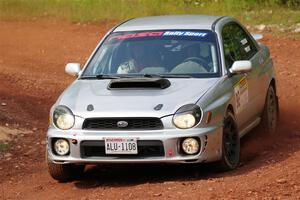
(250, 12)
(4, 147)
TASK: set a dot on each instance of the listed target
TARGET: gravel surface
(32, 59)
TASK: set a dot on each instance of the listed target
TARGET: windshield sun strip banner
(158, 34)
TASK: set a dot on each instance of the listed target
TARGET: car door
(238, 45)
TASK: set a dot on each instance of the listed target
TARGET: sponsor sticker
(241, 94)
(247, 49)
(185, 33)
(244, 41)
(136, 35)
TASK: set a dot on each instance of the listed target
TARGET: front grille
(146, 148)
(112, 123)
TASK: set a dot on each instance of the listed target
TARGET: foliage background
(286, 12)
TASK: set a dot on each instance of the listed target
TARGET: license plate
(121, 146)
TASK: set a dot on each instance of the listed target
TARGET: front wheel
(64, 172)
(230, 144)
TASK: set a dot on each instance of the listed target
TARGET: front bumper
(209, 137)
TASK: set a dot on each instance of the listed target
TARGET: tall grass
(248, 11)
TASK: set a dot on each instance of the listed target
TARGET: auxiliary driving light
(61, 147)
(190, 146)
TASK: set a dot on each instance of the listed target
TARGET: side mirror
(241, 66)
(73, 69)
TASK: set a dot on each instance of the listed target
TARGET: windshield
(170, 52)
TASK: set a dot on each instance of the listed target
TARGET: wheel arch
(230, 108)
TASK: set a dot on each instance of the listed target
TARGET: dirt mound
(7, 134)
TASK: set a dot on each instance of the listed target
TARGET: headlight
(187, 116)
(63, 118)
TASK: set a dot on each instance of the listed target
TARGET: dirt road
(32, 59)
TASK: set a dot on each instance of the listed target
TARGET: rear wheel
(230, 144)
(270, 112)
(64, 172)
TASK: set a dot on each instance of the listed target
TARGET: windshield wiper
(107, 76)
(102, 76)
(166, 76)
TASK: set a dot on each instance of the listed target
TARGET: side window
(237, 44)
(228, 46)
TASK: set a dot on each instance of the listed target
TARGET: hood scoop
(139, 83)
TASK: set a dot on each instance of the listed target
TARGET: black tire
(270, 112)
(230, 144)
(64, 172)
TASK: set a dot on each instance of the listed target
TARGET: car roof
(168, 22)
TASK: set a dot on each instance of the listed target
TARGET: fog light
(190, 146)
(61, 147)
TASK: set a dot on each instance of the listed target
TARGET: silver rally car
(164, 89)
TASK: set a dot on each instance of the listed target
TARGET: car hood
(132, 102)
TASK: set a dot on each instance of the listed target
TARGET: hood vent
(139, 83)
